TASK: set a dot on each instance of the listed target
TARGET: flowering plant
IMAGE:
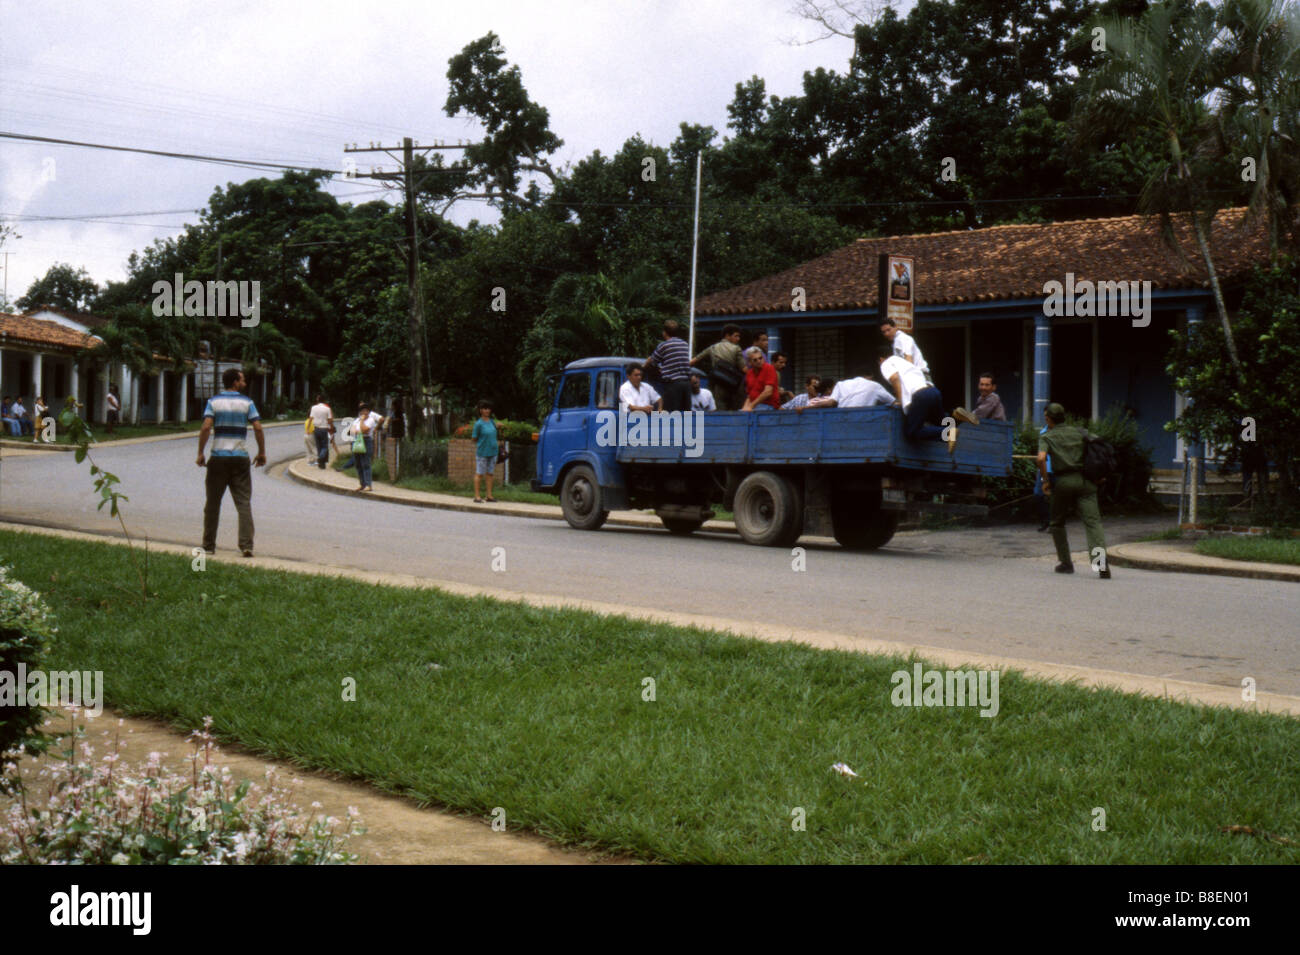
(26, 627)
(99, 815)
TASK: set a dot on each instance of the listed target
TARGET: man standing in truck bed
(673, 359)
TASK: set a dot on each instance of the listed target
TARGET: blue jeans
(322, 436)
(11, 424)
(926, 406)
(363, 462)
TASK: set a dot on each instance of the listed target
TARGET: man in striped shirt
(226, 419)
(673, 359)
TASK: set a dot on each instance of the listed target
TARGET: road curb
(124, 443)
(1148, 556)
(301, 471)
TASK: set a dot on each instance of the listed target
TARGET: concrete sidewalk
(1179, 556)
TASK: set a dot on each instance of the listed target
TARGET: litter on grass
(843, 769)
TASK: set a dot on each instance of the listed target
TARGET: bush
(1126, 489)
(26, 628)
(506, 430)
(98, 815)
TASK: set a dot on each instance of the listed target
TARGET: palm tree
(1157, 75)
(118, 345)
(1258, 119)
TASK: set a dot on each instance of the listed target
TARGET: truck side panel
(834, 436)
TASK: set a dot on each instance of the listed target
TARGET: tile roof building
(984, 303)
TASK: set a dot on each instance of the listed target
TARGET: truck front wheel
(767, 510)
(582, 499)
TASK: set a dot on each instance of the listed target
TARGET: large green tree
(62, 287)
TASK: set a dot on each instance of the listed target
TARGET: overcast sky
(292, 82)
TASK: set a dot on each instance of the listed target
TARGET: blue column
(1042, 366)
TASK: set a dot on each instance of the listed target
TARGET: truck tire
(861, 524)
(767, 510)
(582, 499)
(681, 526)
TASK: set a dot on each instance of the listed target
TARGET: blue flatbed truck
(846, 473)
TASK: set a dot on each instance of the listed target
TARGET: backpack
(724, 371)
(1099, 459)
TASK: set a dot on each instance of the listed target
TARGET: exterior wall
(816, 351)
(995, 347)
(1131, 373)
(460, 462)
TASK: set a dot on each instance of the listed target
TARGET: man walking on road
(322, 422)
(227, 417)
(1066, 487)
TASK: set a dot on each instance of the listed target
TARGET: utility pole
(414, 318)
(6, 292)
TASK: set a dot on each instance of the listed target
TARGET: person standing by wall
(485, 451)
(115, 405)
(226, 419)
(1067, 488)
(363, 446)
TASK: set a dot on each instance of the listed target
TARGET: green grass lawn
(475, 704)
(1270, 550)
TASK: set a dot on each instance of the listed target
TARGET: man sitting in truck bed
(635, 395)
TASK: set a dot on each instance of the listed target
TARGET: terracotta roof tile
(23, 329)
(1006, 262)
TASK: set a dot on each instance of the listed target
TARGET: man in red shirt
(761, 384)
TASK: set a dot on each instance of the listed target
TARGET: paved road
(949, 589)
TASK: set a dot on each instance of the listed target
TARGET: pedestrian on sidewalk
(1066, 488)
(363, 445)
(322, 420)
(485, 451)
(115, 407)
(226, 419)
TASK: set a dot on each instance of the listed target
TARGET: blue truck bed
(830, 436)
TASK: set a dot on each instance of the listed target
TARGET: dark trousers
(1040, 500)
(676, 394)
(728, 397)
(322, 436)
(363, 462)
(921, 420)
(1068, 492)
(235, 473)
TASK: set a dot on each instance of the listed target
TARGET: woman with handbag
(363, 445)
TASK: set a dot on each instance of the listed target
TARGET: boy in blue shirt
(485, 453)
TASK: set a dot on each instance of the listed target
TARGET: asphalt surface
(983, 592)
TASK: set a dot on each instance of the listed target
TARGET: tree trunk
(1218, 296)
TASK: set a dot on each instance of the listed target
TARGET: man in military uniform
(1066, 487)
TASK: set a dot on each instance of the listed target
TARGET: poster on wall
(897, 289)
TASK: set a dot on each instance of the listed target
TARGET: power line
(196, 157)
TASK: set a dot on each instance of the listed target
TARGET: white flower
(121, 859)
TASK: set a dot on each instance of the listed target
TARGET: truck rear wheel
(582, 499)
(860, 523)
(767, 510)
